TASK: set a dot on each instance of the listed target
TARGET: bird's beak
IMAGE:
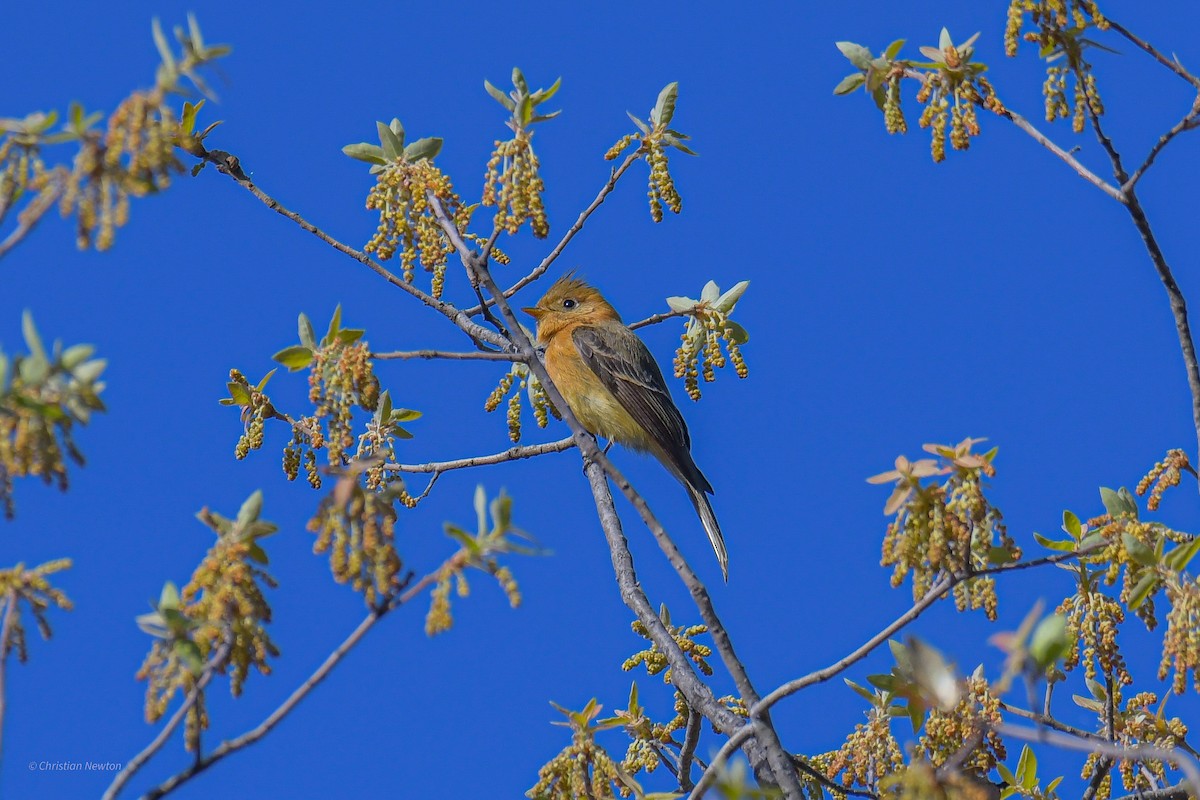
(534, 312)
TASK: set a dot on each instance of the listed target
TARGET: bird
(616, 390)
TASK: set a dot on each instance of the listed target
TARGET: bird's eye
(569, 303)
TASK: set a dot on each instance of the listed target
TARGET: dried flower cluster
(1058, 28)
(654, 138)
(222, 608)
(945, 529)
(708, 328)
(357, 528)
(43, 395)
(523, 380)
(655, 661)
(29, 589)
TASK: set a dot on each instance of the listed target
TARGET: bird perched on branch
(616, 390)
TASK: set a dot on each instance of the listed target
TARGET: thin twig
(1170, 64)
(474, 355)
(709, 776)
(550, 258)
(691, 738)
(10, 612)
(828, 783)
(230, 165)
(1178, 792)
(511, 454)
(935, 593)
(654, 319)
(1050, 722)
(1189, 122)
(30, 216)
(231, 746)
(215, 664)
(1139, 752)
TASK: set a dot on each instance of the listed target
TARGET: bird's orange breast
(592, 404)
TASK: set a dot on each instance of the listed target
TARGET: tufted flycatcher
(616, 390)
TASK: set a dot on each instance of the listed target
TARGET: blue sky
(892, 303)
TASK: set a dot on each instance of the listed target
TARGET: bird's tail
(711, 527)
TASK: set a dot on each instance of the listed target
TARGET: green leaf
(1072, 525)
(405, 415)
(256, 553)
(726, 302)
(1181, 556)
(736, 332)
(519, 83)
(681, 304)
(1116, 503)
(1143, 589)
(500, 97)
(525, 111)
(335, 325)
(169, 597)
(296, 357)
(459, 535)
(858, 55)
(893, 49)
(1088, 704)
(307, 337)
(189, 653)
(393, 145)
(1000, 555)
(481, 509)
(238, 393)
(1050, 641)
(350, 335)
(364, 151)
(188, 121)
(643, 127)
(250, 509)
(542, 95)
(944, 40)
(1065, 545)
(397, 128)
(1138, 550)
(866, 693)
(160, 42)
(32, 340)
(501, 510)
(89, 371)
(850, 83)
(75, 355)
(428, 147)
(664, 107)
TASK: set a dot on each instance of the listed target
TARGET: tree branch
(137, 762)
(541, 268)
(231, 746)
(31, 215)
(511, 454)
(474, 355)
(1189, 122)
(1170, 64)
(10, 611)
(1113, 750)
(654, 319)
(597, 467)
(230, 165)
(1051, 722)
(691, 738)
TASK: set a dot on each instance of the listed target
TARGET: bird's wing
(624, 365)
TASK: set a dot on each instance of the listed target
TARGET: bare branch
(137, 762)
(231, 746)
(541, 268)
(31, 215)
(1190, 121)
(1113, 750)
(474, 355)
(1171, 64)
(10, 612)
(1051, 722)
(654, 319)
(709, 777)
(1179, 792)
(691, 738)
(511, 454)
(230, 165)
(1083, 172)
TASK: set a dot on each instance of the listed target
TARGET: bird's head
(570, 302)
